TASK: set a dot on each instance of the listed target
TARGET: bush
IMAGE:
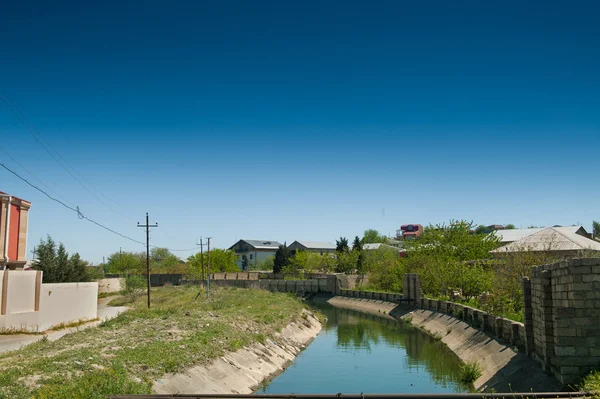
(385, 268)
(469, 372)
(135, 285)
(591, 383)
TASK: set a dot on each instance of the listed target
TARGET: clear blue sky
(301, 120)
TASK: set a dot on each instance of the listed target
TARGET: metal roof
(552, 239)
(511, 235)
(260, 244)
(379, 245)
(315, 244)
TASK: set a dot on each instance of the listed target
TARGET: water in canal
(357, 352)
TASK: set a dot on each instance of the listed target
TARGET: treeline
(162, 261)
(383, 265)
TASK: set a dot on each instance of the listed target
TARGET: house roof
(260, 244)
(315, 244)
(380, 245)
(511, 235)
(552, 239)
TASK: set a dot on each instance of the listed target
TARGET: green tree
(245, 263)
(481, 229)
(385, 268)
(163, 261)
(196, 266)
(222, 261)
(282, 258)
(596, 229)
(372, 236)
(509, 226)
(357, 244)
(341, 245)
(347, 261)
(439, 256)
(56, 264)
(126, 263)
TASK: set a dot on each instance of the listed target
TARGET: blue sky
(283, 121)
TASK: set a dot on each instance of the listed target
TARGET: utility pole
(208, 270)
(147, 227)
(201, 257)
(120, 261)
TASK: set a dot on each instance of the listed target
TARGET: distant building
(561, 241)
(14, 216)
(371, 247)
(256, 251)
(512, 235)
(409, 231)
(312, 246)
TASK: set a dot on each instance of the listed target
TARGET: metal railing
(509, 395)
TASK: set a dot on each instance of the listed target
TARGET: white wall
(67, 302)
(257, 257)
(110, 285)
(58, 303)
(21, 292)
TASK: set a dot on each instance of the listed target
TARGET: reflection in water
(357, 352)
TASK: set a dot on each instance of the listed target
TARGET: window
(250, 256)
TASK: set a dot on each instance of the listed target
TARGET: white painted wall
(21, 292)
(67, 302)
(58, 304)
(110, 285)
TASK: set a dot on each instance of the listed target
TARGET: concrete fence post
(528, 320)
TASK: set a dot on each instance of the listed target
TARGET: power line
(38, 137)
(76, 209)
(32, 175)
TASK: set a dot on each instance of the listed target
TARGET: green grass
(72, 324)
(591, 382)
(126, 354)
(469, 372)
(107, 294)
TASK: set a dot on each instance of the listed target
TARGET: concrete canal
(356, 352)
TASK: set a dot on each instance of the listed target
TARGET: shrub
(469, 372)
(135, 286)
(591, 382)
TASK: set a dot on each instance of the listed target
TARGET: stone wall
(562, 313)
(300, 287)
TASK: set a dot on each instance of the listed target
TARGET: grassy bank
(126, 354)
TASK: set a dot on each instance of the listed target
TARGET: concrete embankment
(241, 372)
(503, 369)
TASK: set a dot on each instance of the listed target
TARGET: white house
(312, 246)
(256, 251)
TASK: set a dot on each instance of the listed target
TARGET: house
(512, 235)
(256, 251)
(561, 241)
(312, 246)
(14, 216)
(409, 231)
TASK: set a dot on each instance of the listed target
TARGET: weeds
(469, 372)
(591, 383)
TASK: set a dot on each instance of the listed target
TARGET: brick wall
(562, 315)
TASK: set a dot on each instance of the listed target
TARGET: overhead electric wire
(76, 210)
(32, 175)
(80, 215)
(37, 136)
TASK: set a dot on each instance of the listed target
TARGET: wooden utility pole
(147, 226)
(208, 269)
(201, 258)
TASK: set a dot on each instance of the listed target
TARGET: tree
(372, 236)
(56, 264)
(440, 254)
(163, 261)
(126, 263)
(509, 226)
(222, 261)
(385, 269)
(481, 229)
(357, 244)
(196, 266)
(347, 261)
(245, 263)
(596, 229)
(282, 258)
(342, 245)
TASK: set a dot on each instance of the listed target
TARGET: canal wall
(503, 368)
(243, 371)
